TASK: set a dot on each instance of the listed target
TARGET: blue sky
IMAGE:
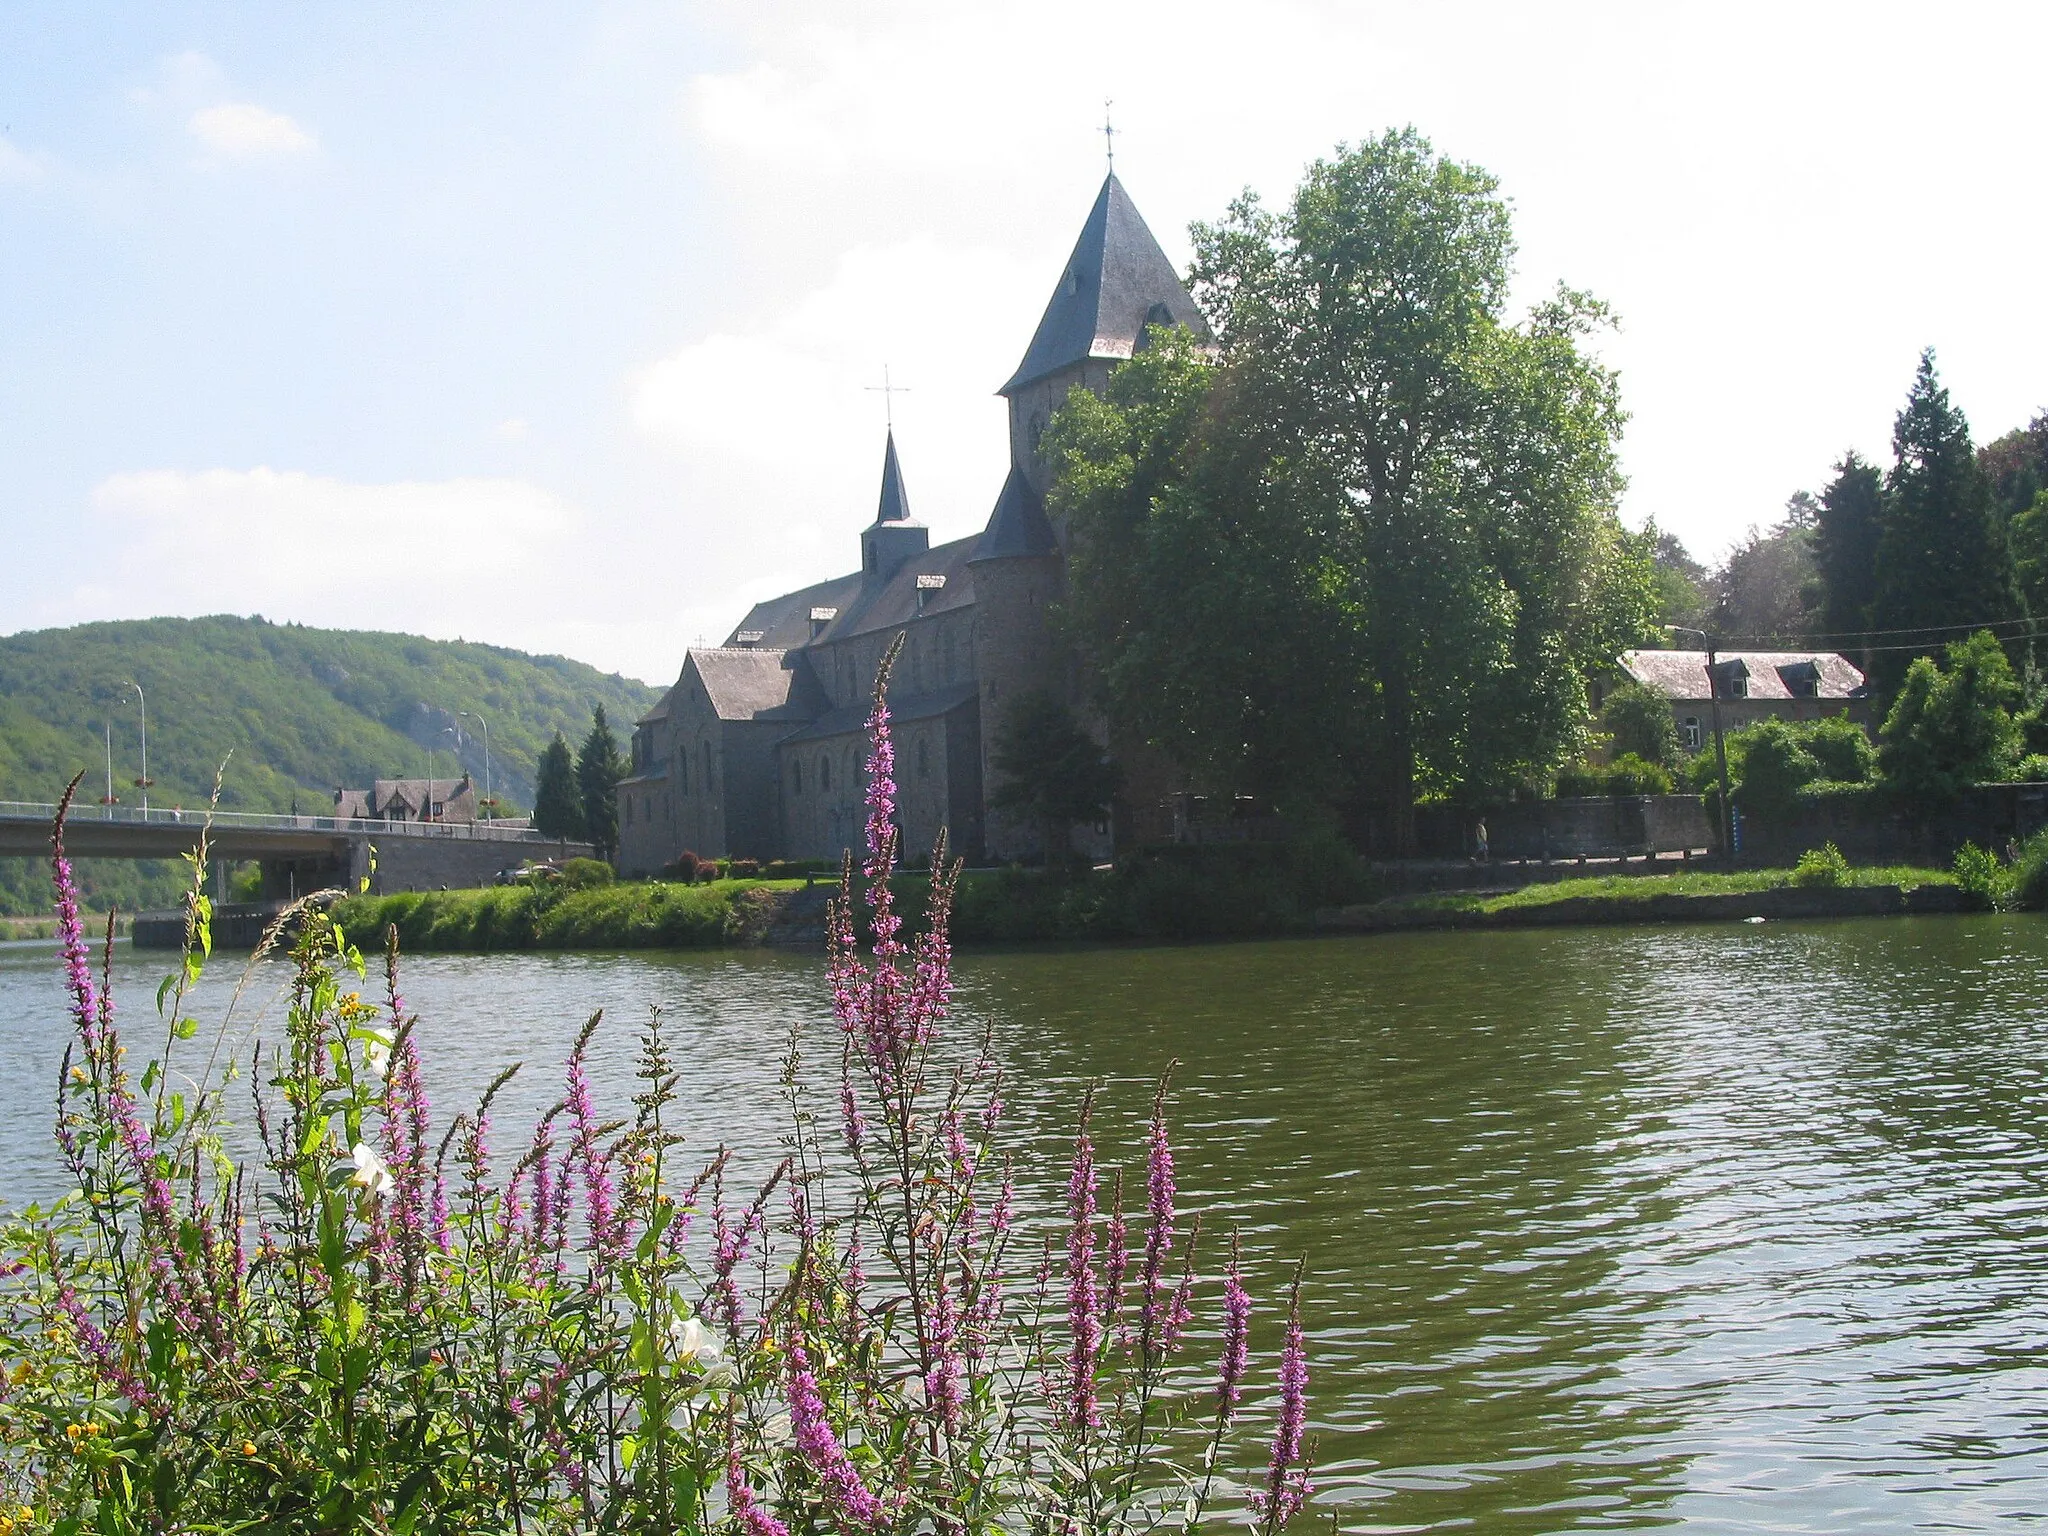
(550, 325)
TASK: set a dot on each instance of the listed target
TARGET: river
(1737, 1228)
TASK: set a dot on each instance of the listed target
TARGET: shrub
(1980, 875)
(419, 1341)
(1822, 866)
(584, 874)
(2027, 880)
(746, 869)
(1576, 781)
(1774, 769)
(1952, 727)
(683, 868)
(707, 871)
(1638, 722)
(1841, 747)
(2031, 769)
(1631, 775)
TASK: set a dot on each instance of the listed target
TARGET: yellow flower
(92, 1428)
(248, 1447)
(73, 1431)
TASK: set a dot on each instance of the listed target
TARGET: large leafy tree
(1942, 559)
(1393, 505)
(599, 767)
(1845, 545)
(1051, 771)
(557, 809)
(1952, 726)
(1766, 588)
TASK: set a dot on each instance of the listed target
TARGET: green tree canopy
(1942, 560)
(1374, 555)
(599, 768)
(1639, 721)
(557, 808)
(1845, 545)
(1952, 726)
(1051, 770)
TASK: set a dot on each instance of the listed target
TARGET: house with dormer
(758, 749)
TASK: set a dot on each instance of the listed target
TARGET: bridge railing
(473, 831)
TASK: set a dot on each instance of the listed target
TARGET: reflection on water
(1734, 1229)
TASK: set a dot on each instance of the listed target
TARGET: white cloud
(778, 427)
(494, 559)
(21, 165)
(241, 130)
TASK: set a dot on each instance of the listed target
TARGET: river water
(1732, 1228)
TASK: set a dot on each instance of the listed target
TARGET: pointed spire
(895, 505)
(1116, 283)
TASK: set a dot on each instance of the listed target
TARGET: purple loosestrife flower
(71, 934)
(1084, 1298)
(1159, 1193)
(1116, 1260)
(746, 1507)
(1287, 1485)
(851, 1502)
(1237, 1332)
(607, 1228)
(405, 1154)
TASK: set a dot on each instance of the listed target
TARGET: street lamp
(470, 714)
(1720, 745)
(145, 781)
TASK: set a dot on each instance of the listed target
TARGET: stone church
(757, 750)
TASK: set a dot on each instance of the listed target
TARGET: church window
(683, 771)
(924, 758)
(825, 775)
(707, 768)
(796, 775)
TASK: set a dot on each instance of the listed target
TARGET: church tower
(894, 536)
(1115, 284)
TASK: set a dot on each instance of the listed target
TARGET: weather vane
(1108, 134)
(886, 390)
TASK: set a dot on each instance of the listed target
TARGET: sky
(558, 326)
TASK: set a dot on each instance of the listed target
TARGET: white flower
(377, 1051)
(371, 1170)
(695, 1344)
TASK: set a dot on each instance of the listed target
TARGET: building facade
(1753, 685)
(757, 750)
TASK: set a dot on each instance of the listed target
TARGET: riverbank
(1155, 901)
(46, 927)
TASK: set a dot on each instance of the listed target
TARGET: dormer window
(1801, 679)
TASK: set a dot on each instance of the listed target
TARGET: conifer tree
(1942, 562)
(1851, 519)
(598, 771)
(557, 810)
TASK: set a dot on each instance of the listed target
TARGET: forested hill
(304, 711)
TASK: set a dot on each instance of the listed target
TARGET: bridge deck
(123, 832)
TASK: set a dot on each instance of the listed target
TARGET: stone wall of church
(938, 649)
(752, 789)
(821, 799)
(1032, 407)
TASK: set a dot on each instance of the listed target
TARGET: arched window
(683, 769)
(796, 775)
(825, 774)
(708, 786)
(924, 758)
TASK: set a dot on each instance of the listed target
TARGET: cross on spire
(1108, 135)
(887, 391)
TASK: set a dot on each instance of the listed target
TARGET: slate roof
(1683, 674)
(1018, 525)
(895, 505)
(1116, 282)
(409, 794)
(922, 706)
(747, 683)
(785, 621)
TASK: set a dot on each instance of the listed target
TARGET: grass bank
(1647, 888)
(649, 915)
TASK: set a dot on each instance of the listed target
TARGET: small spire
(1108, 135)
(895, 504)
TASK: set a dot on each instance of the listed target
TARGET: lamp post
(109, 800)
(1720, 745)
(145, 781)
(470, 714)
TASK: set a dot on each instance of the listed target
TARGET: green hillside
(304, 711)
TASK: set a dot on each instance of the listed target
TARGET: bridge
(297, 853)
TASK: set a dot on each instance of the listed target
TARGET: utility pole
(1720, 744)
(145, 781)
(470, 714)
(109, 801)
